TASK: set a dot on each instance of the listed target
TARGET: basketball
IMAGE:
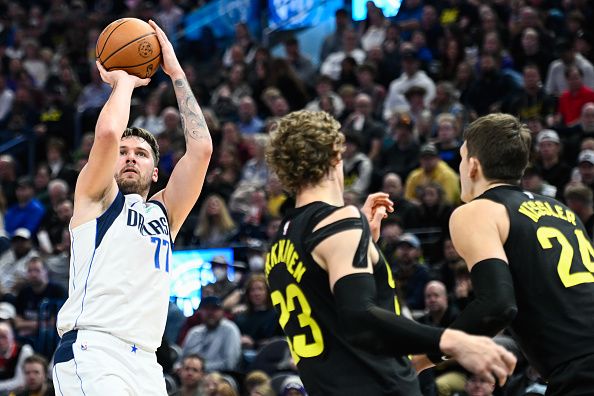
(131, 45)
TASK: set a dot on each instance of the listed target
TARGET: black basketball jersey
(328, 364)
(552, 263)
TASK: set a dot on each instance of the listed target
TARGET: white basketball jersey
(119, 273)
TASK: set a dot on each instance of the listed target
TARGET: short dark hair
(194, 356)
(147, 136)
(501, 143)
(571, 68)
(36, 358)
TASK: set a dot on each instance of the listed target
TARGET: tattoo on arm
(193, 123)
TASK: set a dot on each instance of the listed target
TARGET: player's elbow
(499, 312)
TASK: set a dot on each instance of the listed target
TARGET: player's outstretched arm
(370, 326)
(478, 231)
(96, 183)
(187, 178)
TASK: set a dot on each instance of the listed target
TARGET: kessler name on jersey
(152, 228)
(535, 209)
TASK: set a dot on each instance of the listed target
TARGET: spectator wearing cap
(402, 156)
(12, 355)
(411, 274)
(554, 171)
(579, 198)
(556, 82)
(357, 166)
(411, 76)
(292, 386)
(13, 262)
(217, 340)
(222, 286)
(586, 168)
(433, 169)
(416, 104)
(575, 97)
(27, 212)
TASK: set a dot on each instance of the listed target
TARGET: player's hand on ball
(170, 64)
(376, 208)
(112, 77)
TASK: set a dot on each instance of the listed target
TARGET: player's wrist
(449, 340)
(178, 75)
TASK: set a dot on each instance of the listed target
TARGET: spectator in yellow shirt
(433, 169)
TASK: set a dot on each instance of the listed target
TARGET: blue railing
(17, 142)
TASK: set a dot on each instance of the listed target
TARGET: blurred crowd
(403, 88)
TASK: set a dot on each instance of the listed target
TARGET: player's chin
(131, 186)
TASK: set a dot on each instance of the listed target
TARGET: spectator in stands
(575, 97)
(283, 77)
(13, 355)
(6, 99)
(227, 95)
(248, 122)
(411, 76)
(446, 270)
(554, 171)
(407, 212)
(452, 57)
(37, 305)
(223, 177)
(255, 171)
(217, 340)
(433, 169)
(27, 212)
(448, 142)
(259, 322)
(411, 274)
(243, 42)
(556, 81)
(35, 368)
(361, 123)
(300, 63)
(8, 178)
(191, 376)
(579, 198)
(491, 88)
(332, 63)
(366, 74)
(373, 28)
(13, 262)
(92, 98)
(531, 101)
(357, 166)
(324, 87)
(215, 227)
(333, 42)
(402, 155)
(476, 386)
(57, 160)
(150, 120)
(533, 181)
(433, 219)
(58, 264)
(532, 53)
(586, 168)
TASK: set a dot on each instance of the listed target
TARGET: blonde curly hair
(304, 145)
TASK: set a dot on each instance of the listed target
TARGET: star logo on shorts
(134, 348)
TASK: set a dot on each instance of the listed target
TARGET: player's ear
(473, 167)
(155, 175)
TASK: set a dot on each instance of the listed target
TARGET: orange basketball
(129, 44)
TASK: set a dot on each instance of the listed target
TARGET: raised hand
(170, 64)
(376, 208)
(114, 76)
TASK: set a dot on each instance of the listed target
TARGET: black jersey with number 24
(552, 263)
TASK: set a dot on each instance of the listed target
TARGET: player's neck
(484, 185)
(328, 191)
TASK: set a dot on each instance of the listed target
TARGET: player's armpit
(494, 306)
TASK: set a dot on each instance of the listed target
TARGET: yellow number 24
(569, 279)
